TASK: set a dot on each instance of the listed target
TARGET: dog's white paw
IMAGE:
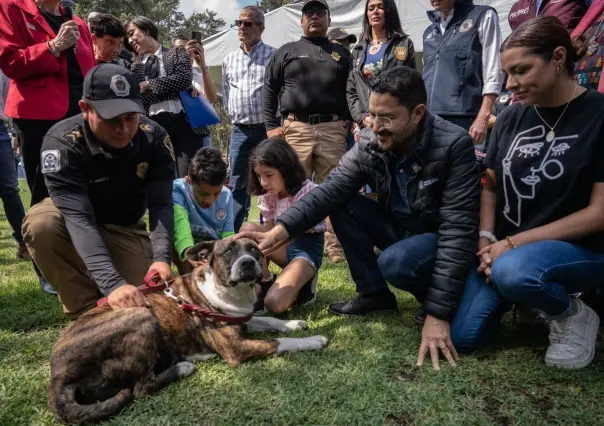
(294, 325)
(184, 369)
(304, 344)
(319, 341)
(200, 357)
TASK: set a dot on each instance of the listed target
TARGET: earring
(558, 69)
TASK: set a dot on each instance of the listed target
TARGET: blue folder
(199, 110)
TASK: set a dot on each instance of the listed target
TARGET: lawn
(365, 376)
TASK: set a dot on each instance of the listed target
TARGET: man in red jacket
(46, 57)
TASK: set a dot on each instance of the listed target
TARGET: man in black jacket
(426, 218)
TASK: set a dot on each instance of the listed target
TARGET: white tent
(283, 24)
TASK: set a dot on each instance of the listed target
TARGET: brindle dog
(107, 358)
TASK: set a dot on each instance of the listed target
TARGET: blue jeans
(244, 139)
(308, 246)
(406, 261)
(9, 185)
(540, 275)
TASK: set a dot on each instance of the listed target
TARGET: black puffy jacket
(443, 191)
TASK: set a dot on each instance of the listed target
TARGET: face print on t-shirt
(530, 161)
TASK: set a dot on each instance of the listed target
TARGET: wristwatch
(488, 235)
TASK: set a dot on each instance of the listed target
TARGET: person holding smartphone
(202, 84)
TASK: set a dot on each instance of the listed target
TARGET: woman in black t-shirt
(541, 221)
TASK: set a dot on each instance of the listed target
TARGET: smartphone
(196, 35)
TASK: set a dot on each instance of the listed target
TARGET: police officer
(307, 79)
(462, 64)
(104, 168)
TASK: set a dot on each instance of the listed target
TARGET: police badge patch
(141, 169)
(51, 161)
(169, 147)
(466, 25)
(401, 53)
(120, 86)
(221, 214)
(336, 56)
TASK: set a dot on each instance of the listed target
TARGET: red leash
(155, 284)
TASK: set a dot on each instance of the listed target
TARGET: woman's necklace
(593, 45)
(551, 135)
(375, 47)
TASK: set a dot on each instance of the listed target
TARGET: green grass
(365, 376)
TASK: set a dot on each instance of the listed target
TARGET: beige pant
(50, 245)
(319, 147)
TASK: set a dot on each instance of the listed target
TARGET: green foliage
(269, 5)
(165, 14)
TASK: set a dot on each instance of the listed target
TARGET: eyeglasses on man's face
(382, 122)
(321, 13)
(246, 24)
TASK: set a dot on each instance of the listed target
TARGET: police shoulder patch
(169, 147)
(51, 161)
(401, 53)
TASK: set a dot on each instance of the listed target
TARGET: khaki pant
(319, 147)
(51, 247)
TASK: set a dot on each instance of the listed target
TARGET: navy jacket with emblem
(443, 192)
(400, 51)
(93, 185)
(453, 61)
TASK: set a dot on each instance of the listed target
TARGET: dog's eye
(228, 250)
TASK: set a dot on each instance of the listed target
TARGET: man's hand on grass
(270, 241)
(436, 337)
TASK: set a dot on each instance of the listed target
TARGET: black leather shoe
(365, 304)
(420, 316)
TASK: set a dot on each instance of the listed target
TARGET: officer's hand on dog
(163, 269)
(270, 241)
(126, 296)
(436, 337)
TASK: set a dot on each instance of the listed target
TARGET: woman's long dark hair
(278, 154)
(392, 21)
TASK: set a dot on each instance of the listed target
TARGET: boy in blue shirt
(203, 206)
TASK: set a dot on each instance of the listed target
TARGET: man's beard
(403, 140)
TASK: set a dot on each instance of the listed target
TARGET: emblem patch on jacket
(141, 169)
(168, 145)
(336, 56)
(466, 25)
(401, 53)
(51, 161)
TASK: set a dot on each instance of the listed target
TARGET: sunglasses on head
(246, 24)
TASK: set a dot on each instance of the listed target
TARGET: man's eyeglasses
(383, 122)
(321, 13)
(246, 24)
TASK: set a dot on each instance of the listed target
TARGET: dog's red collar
(215, 316)
(155, 284)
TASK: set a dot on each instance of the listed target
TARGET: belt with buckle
(315, 118)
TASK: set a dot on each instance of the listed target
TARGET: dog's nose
(248, 264)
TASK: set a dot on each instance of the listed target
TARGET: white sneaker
(573, 338)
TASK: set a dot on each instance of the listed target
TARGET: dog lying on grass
(108, 357)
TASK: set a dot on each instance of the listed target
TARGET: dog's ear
(200, 251)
